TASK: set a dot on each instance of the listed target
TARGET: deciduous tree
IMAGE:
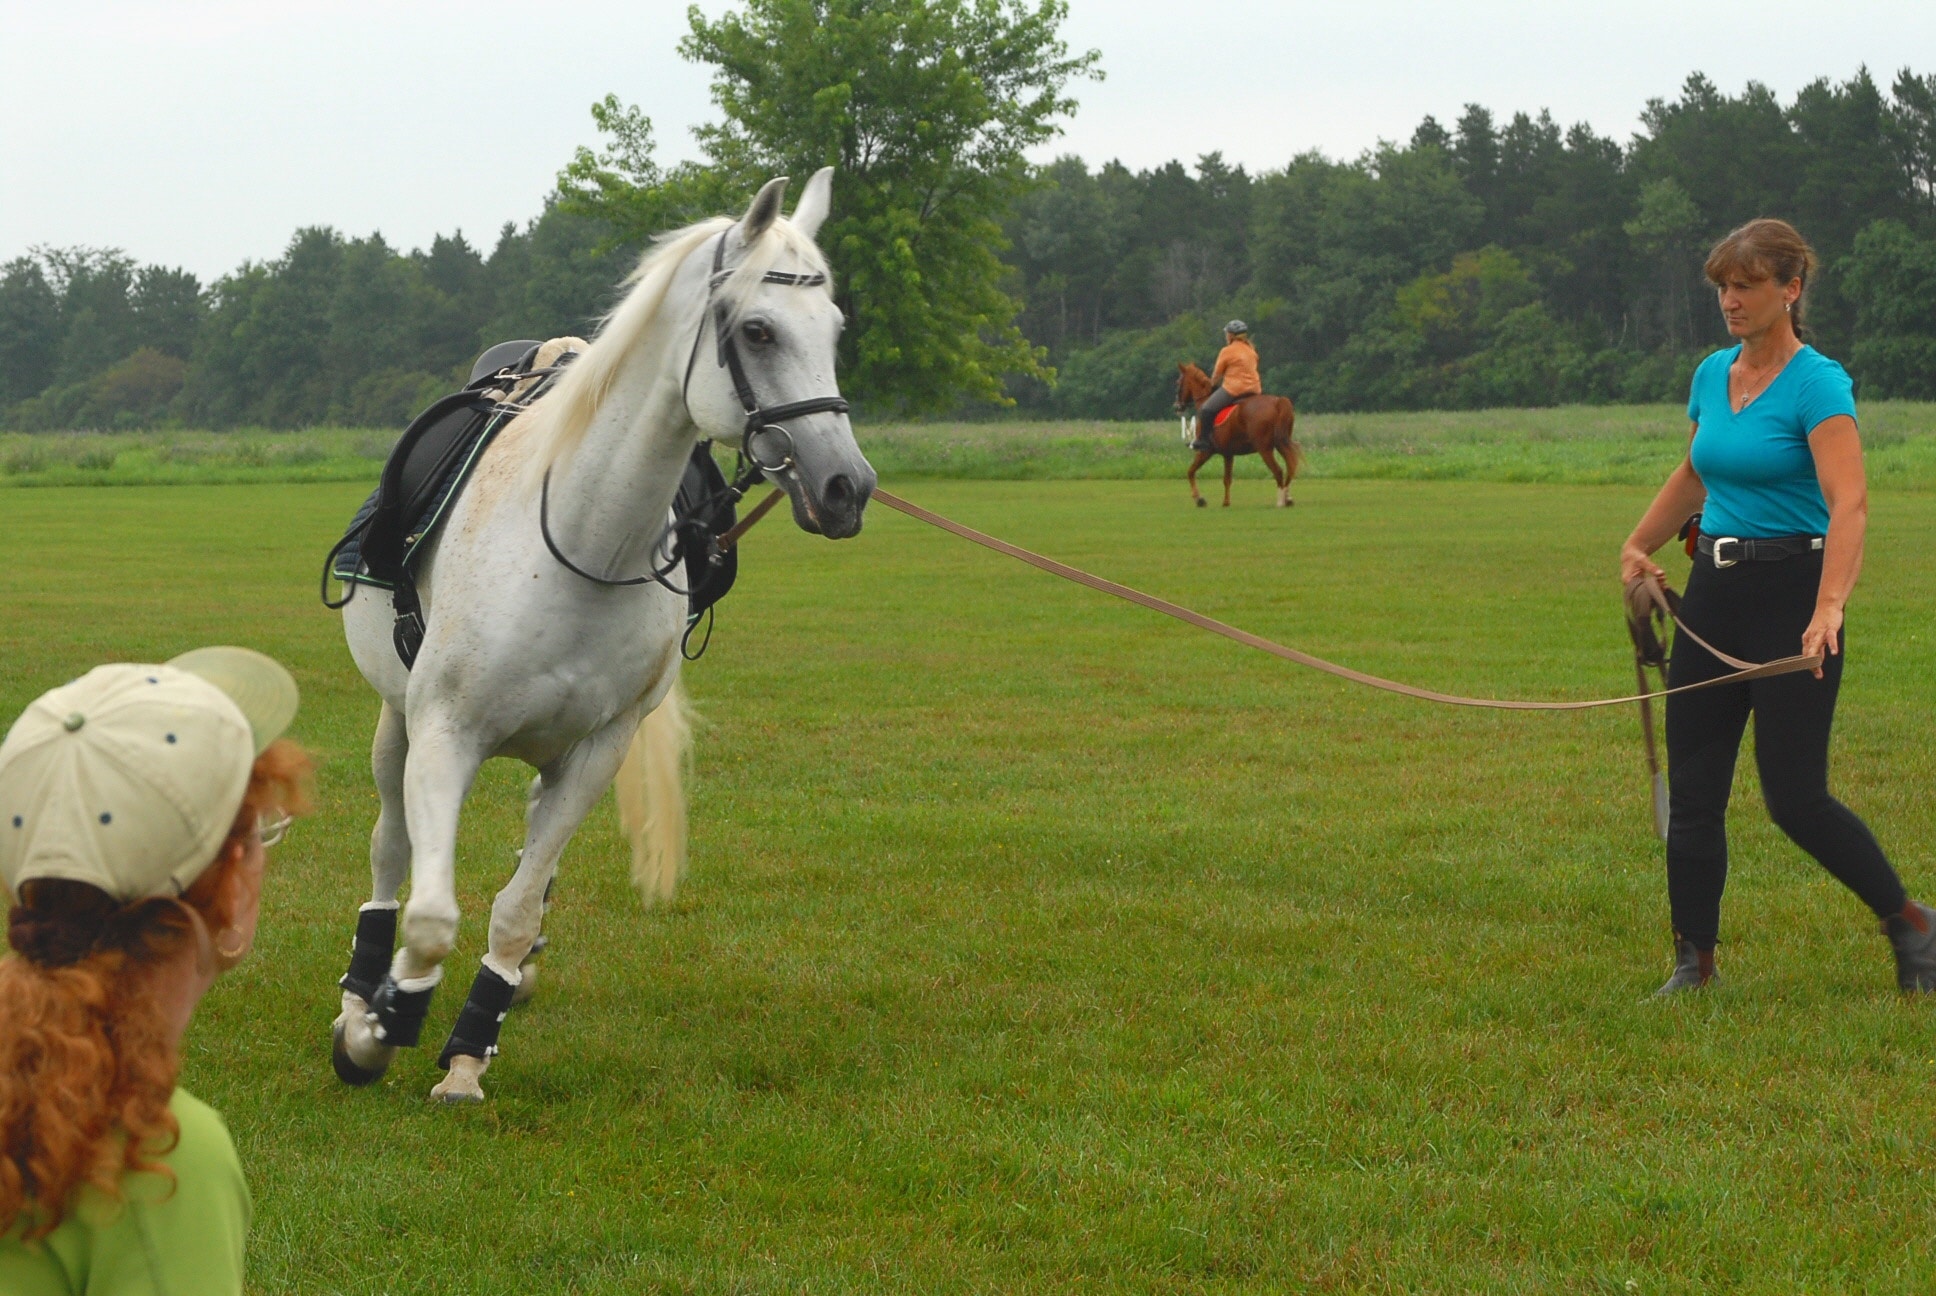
(925, 108)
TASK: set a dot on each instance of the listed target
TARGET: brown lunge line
(745, 524)
(1744, 670)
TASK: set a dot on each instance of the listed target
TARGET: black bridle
(749, 467)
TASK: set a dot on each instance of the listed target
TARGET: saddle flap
(416, 474)
(710, 570)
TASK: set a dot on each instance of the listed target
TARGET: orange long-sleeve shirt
(1237, 369)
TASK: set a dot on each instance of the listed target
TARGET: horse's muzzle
(833, 506)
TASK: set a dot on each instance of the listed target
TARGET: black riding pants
(1213, 404)
(1757, 611)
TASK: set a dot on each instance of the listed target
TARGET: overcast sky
(203, 133)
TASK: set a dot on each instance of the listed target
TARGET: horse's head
(762, 378)
(1192, 385)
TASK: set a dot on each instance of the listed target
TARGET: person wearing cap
(1234, 378)
(135, 806)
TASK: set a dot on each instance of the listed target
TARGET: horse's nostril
(839, 490)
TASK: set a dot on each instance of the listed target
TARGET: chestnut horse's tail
(1287, 446)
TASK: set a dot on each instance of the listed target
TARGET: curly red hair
(86, 1062)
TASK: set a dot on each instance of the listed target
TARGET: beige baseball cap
(129, 778)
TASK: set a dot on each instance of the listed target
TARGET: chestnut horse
(1254, 425)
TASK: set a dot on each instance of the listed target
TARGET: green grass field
(1591, 445)
(1037, 943)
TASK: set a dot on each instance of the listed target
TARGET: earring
(1784, 308)
(230, 956)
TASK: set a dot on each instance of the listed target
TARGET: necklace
(1749, 393)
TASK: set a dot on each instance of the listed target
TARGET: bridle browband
(750, 468)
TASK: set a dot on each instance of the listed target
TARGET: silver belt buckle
(1719, 561)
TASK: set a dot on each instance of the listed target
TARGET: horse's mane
(564, 415)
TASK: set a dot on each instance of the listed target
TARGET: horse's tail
(1293, 452)
(651, 795)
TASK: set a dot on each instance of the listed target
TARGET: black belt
(1726, 551)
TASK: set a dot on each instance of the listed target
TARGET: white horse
(563, 668)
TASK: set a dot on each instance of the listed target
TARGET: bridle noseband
(759, 420)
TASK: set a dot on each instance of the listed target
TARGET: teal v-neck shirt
(1756, 465)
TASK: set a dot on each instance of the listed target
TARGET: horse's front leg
(1203, 457)
(437, 775)
(358, 1056)
(565, 793)
(1229, 462)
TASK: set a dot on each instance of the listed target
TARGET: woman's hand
(1680, 496)
(1635, 562)
(1824, 635)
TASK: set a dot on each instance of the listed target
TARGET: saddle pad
(1226, 412)
(456, 455)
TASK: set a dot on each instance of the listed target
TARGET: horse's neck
(608, 500)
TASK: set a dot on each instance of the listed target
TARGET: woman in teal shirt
(1774, 468)
(135, 806)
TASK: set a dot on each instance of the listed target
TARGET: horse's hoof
(1202, 503)
(347, 1068)
(461, 1085)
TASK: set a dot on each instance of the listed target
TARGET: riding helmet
(1236, 326)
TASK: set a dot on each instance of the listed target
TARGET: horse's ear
(815, 200)
(762, 211)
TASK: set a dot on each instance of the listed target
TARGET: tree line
(1492, 262)
(349, 331)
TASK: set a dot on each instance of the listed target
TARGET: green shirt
(155, 1242)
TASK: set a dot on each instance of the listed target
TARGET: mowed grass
(1037, 943)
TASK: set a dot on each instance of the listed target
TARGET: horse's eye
(756, 331)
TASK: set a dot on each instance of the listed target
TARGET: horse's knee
(429, 930)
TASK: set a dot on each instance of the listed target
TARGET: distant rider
(1234, 378)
